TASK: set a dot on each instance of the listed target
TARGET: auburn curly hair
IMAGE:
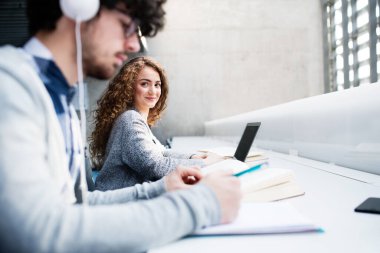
(118, 98)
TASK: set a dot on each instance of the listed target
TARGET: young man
(36, 187)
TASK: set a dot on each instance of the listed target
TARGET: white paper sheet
(264, 218)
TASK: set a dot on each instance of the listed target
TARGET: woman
(122, 144)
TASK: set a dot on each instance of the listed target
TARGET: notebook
(264, 218)
(229, 164)
(264, 178)
(262, 185)
(229, 152)
(281, 191)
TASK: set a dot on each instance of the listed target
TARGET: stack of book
(263, 184)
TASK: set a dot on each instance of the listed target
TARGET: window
(352, 43)
(13, 23)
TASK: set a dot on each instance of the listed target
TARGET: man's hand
(225, 186)
(228, 192)
(182, 178)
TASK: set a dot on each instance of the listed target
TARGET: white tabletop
(331, 194)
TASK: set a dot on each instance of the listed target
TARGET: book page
(229, 151)
(229, 164)
(265, 177)
(282, 191)
(264, 218)
(256, 158)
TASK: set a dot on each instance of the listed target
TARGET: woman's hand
(199, 156)
(213, 158)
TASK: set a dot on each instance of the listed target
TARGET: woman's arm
(141, 154)
(175, 154)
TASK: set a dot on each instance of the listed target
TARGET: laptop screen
(246, 141)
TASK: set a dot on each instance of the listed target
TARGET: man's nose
(132, 44)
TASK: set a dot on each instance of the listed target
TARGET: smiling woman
(148, 91)
(122, 144)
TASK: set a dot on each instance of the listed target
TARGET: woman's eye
(144, 84)
(157, 85)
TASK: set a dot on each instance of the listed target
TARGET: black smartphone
(370, 205)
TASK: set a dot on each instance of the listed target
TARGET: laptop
(242, 150)
(246, 141)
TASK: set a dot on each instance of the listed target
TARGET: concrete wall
(225, 57)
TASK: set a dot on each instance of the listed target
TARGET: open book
(229, 151)
(264, 218)
(264, 184)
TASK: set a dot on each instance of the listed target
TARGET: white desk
(332, 193)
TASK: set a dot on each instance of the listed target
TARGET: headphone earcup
(79, 10)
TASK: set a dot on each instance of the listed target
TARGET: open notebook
(229, 151)
(264, 218)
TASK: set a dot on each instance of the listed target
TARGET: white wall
(225, 57)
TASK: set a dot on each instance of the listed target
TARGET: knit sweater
(36, 192)
(134, 155)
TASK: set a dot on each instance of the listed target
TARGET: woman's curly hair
(118, 98)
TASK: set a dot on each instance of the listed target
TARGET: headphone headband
(79, 10)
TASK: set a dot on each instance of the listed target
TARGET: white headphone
(79, 10)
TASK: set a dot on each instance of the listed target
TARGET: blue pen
(253, 168)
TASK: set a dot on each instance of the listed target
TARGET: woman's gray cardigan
(134, 155)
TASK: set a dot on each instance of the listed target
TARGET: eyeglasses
(131, 29)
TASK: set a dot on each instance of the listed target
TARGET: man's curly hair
(118, 98)
(44, 14)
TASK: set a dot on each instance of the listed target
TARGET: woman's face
(147, 90)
